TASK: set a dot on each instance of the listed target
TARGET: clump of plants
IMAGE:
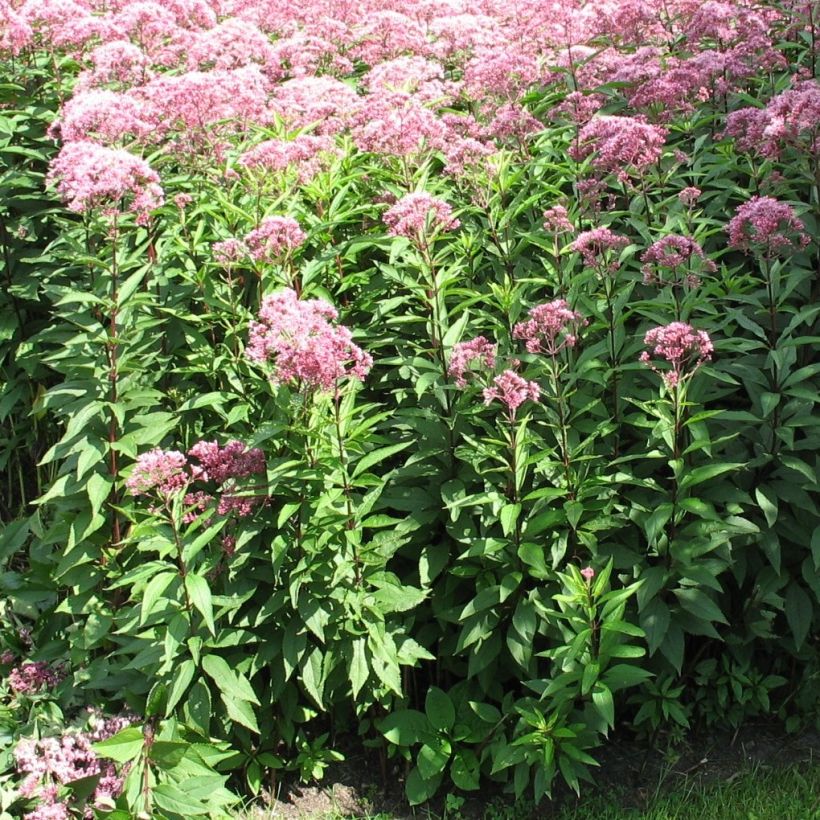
(442, 378)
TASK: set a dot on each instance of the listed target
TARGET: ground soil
(631, 771)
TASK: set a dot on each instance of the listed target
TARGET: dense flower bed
(439, 374)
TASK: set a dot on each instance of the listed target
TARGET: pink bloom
(195, 504)
(182, 201)
(117, 62)
(766, 225)
(32, 677)
(418, 214)
(689, 196)
(672, 252)
(550, 328)
(275, 238)
(7, 657)
(465, 353)
(220, 464)
(160, 471)
(103, 116)
(324, 102)
(228, 251)
(620, 145)
(396, 125)
(511, 389)
(679, 345)
(556, 220)
(306, 154)
(50, 762)
(588, 573)
(89, 176)
(298, 337)
(596, 245)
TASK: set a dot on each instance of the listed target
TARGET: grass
(756, 793)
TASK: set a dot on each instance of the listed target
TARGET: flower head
(550, 328)
(32, 677)
(511, 389)
(419, 214)
(672, 252)
(556, 220)
(680, 346)
(298, 337)
(89, 176)
(689, 196)
(620, 145)
(465, 353)
(160, 471)
(275, 238)
(588, 573)
(220, 464)
(595, 247)
(766, 225)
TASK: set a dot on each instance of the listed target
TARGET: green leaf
(157, 698)
(799, 612)
(122, 747)
(98, 488)
(708, 471)
(172, 799)
(153, 592)
(358, 668)
(465, 770)
(374, 457)
(602, 698)
(200, 595)
(439, 709)
(508, 516)
(182, 680)
(419, 790)
(197, 708)
(240, 711)
(432, 760)
(405, 727)
(699, 604)
(232, 684)
(622, 675)
(768, 503)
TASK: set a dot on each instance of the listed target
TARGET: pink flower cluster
(228, 251)
(32, 677)
(221, 464)
(51, 762)
(464, 354)
(557, 221)
(551, 327)
(89, 176)
(298, 337)
(161, 472)
(595, 247)
(673, 252)
(789, 120)
(680, 346)
(419, 214)
(766, 226)
(307, 154)
(689, 196)
(512, 390)
(275, 239)
(620, 145)
(164, 473)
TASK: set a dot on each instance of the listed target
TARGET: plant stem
(350, 523)
(113, 467)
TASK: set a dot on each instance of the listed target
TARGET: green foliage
(414, 573)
